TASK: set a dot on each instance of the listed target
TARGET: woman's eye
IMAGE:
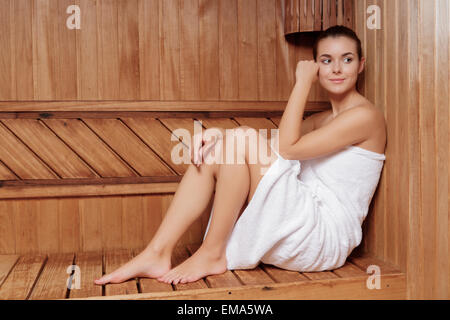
(326, 61)
(348, 59)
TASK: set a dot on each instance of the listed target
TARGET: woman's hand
(307, 70)
(201, 146)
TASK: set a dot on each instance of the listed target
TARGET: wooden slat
(155, 106)
(349, 270)
(7, 262)
(49, 148)
(87, 46)
(90, 264)
(157, 137)
(6, 59)
(89, 147)
(258, 123)
(23, 192)
(253, 276)
(226, 279)
(208, 33)
(149, 49)
(52, 282)
(128, 49)
(180, 254)
(128, 146)
(228, 50)
(20, 159)
(276, 120)
(248, 49)
(7, 227)
(281, 275)
(113, 260)
(364, 262)
(393, 287)
(108, 51)
(169, 42)
(323, 275)
(6, 174)
(267, 86)
(20, 281)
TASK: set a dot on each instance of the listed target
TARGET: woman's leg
(232, 189)
(185, 208)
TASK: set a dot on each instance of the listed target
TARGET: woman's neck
(344, 101)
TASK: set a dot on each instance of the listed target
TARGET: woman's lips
(337, 80)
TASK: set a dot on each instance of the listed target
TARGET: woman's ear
(362, 63)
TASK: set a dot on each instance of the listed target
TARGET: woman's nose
(336, 67)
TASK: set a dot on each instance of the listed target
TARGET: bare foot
(147, 264)
(201, 264)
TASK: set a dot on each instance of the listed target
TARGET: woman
(305, 213)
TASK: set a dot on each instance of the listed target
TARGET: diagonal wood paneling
(90, 147)
(49, 148)
(130, 148)
(157, 137)
(24, 163)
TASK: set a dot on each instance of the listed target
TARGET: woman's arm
(290, 129)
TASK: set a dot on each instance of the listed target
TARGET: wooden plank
(285, 74)
(223, 123)
(223, 280)
(113, 260)
(25, 216)
(129, 147)
(89, 147)
(248, 49)
(23, 192)
(322, 275)
(267, 68)
(65, 54)
(393, 287)
(169, 43)
(5, 173)
(90, 264)
(7, 262)
(49, 148)
(281, 275)
(128, 49)
(48, 229)
(208, 35)
(149, 49)
(52, 282)
(23, 49)
(21, 279)
(157, 137)
(258, 124)
(253, 276)
(7, 227)
(276, 120)
(349, 270)
(364, 262)
(189, 50)
(180, 254)
(20, 159)
(161, 106)
(228, 50)
(6, 56)
(87, 46)
(108, 50)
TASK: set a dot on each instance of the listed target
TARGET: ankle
(214, 251)
(159, 251)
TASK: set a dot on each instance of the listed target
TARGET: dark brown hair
(338, 31)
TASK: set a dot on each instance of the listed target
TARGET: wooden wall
(407, 75)
(148, 50)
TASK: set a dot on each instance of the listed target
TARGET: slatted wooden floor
(41, 276)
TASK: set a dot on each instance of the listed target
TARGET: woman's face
(339, 65)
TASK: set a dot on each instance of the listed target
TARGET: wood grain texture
(407, 75)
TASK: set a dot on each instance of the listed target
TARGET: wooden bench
(66, 173)
(39, 276)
